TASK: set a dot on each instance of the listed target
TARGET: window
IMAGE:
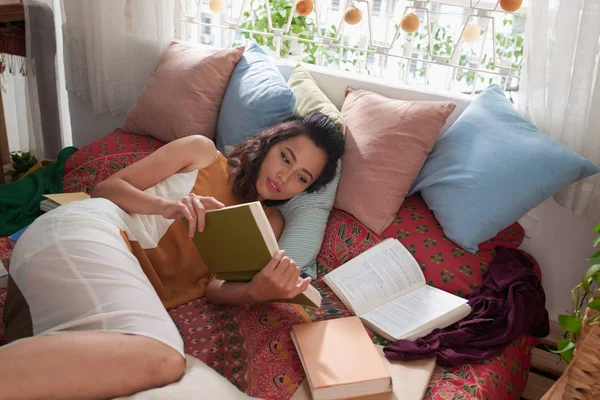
(490, 51)
(376, 7)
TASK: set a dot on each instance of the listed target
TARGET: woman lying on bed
(101, 272)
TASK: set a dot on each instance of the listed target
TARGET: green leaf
(567, 348)
(562, 346)
(594, 304)
(597, 241)
(597, 228)
(592, 274)
(595, 258)
(570, 324)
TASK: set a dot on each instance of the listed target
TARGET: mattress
(251, 346)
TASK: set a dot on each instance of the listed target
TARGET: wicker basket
(581, 379)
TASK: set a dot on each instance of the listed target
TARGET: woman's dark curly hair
(247, 157)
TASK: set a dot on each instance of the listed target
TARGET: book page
(401, 316)
(377, 276)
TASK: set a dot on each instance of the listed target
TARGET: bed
(251, 346)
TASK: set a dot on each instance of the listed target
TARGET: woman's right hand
(277, 280)
(191, 207)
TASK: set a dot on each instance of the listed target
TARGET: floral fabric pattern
(251, 346)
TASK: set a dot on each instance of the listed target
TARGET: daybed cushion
(310, 98)
(251, 346)
(387, 142)
(184, 95)
(491, 167)
(257, 97)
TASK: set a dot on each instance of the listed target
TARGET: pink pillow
(184, 95)
(387, 143)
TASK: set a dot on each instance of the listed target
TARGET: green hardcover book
(238, 241)
(240, 276)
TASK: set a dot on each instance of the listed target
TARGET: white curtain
(31, 95)
(112, 48)
(560, 86)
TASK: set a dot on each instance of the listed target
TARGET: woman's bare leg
(86, 365)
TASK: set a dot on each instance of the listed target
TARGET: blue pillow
(257, 97)
(490, 168)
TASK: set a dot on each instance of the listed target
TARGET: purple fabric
(510, 303)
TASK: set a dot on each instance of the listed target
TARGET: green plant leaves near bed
(569, 323)
(565, 348)
(591, 275)
(594, 304)
(595, 258)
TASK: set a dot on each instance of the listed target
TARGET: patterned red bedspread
(251, 346)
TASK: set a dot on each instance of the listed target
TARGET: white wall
(560, 243)
(86, 126)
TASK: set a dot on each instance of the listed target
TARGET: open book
(385, 287)
(238, 241)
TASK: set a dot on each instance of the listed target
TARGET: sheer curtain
(31, 100)
(112, 47)
(560, 86)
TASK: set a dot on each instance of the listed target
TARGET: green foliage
(21, 163)
(509, 47)
(573, 323)
(257, 20)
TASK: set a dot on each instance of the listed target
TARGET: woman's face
(289, 168)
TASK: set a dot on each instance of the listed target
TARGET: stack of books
(341, 362)
(385, 289)
(54, 200)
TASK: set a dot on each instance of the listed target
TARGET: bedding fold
(20, 200)
(510, 303)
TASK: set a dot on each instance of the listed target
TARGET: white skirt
(76, 273)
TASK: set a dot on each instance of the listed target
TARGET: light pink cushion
(184, 95)
(387, 143)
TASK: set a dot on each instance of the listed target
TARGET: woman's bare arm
(126, 187)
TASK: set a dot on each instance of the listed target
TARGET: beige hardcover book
(339, 359)
(386, 288)
(64, 198)
(409, 380)
(58, 199)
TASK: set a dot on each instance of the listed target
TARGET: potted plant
(581, 345)
(23, 163)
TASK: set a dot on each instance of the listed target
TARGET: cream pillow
(310, 98)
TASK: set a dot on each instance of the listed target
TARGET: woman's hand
(277, 280)
(191, 207)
